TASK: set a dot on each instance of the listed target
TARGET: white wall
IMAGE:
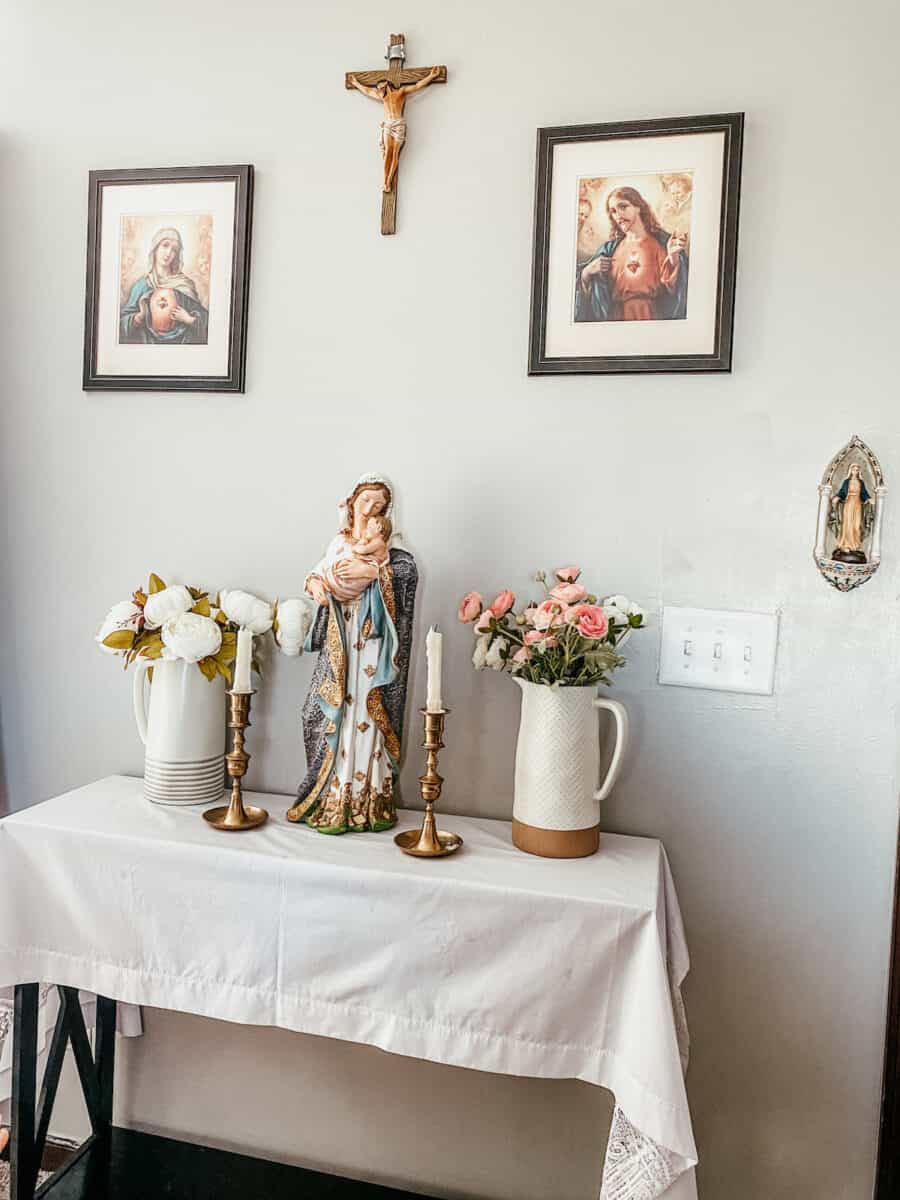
(407, 355)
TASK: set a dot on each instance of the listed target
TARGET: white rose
(123, 615)
(493, 657)
(294, 619)
(481, 650)
(191, 637)
(247, 611)
(620, 601)
(614, 614)
(163, 606)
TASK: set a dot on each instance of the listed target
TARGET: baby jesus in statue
(370, 551)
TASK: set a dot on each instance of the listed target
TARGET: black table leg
(23, 1169)
(105, 1058)
(31, 1114)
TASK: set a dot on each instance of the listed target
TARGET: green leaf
(202, 606)
(155, 584)
(150, 674)
(208, 667)
(119, 639)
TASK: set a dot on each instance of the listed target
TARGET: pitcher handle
(621, 714)
(142, 666)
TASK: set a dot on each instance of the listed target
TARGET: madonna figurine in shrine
(365, 587)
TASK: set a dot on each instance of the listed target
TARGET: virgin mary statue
(365, 586)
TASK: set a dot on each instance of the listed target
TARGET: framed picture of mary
(168, 271)
(635, 246)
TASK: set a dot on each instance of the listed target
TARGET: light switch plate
(727, 651)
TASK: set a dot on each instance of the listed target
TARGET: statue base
(849, 556)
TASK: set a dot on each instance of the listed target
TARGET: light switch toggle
(709, 648)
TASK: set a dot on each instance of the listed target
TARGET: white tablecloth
(489, 959)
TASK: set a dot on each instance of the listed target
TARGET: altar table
(489, 959)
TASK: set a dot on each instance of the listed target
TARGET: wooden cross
(392, 87)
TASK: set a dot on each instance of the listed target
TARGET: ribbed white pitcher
(184, 732)
(556, 810)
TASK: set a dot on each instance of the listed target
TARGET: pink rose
(548, 614)
(567, 574)
(483, 624)
(521, 656)
(532, 636)
(592, 622)
(568, 593)
(503, 603)
(470, 607)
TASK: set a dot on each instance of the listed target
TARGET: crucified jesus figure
(393, 127)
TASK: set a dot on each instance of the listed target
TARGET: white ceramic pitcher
(556, 811)
(184, 732)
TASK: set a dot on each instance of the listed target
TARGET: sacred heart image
(633, 247)
(164, 270)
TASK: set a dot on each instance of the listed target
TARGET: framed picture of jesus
(168, 271)
(635, 246)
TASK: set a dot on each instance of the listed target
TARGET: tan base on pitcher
(555, 843)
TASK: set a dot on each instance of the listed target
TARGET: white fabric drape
(490, 959)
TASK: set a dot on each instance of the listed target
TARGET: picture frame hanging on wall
(168, 274)
(635, 246)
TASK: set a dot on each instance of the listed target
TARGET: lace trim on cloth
(636, 1167)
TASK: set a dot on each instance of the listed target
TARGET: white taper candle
(242, 662)
(434, 648)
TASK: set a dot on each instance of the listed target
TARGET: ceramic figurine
(851, 510)
(365, 587)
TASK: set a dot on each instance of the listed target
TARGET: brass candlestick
(235, 815)
(429, 841)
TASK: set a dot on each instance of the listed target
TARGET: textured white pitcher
(556, 811)
(184, 732)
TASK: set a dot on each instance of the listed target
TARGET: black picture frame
(234, 378)
(732, 126)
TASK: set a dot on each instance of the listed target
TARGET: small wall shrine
(851, 510)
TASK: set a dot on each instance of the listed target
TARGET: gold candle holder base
(237, 815)
(429, 841)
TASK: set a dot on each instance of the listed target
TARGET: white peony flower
(481, 649)
(247, 611)
(635, 610)
(123, 615)
(493, 657)
(163, 606)
(190, 637)
(294, 619)
(619, 601)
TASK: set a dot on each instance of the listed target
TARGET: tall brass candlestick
(429, 841)
(236, 815)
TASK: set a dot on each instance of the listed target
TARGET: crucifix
(391, 88)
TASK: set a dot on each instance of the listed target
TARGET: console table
(489, 959)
